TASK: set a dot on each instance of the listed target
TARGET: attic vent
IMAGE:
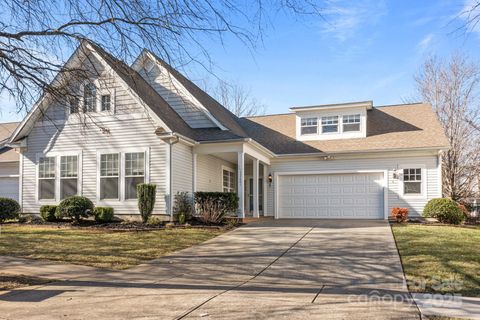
(149, 65)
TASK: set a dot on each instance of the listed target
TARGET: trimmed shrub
(103, 214)
(154, 221)
(75, 207)
(183, 207)
(146, 194)
(47, 212)
(400, 214)
(445, 210)
(212, 207)
(9, 209)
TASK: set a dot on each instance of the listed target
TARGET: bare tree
(37, 37)
(452, 88)
(471, 15)
(237, 99)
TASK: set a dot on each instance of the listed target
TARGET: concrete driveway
(320, 269)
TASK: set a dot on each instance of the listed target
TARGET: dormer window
(330, 124)
(89, 97)
(309, 126)
(351, 123)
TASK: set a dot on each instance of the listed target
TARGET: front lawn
(113, 250)
(443, 259)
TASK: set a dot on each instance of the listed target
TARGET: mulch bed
(119, 226)
(12, 281)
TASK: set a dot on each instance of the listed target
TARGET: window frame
(95, 100)
(100, 177)
(125, 176)
(230, 170)
(121, 152)
(423, 185)
(308, 126)
(103, 92)
(60, 178)
(352, 115)
(57, 156)
(332, 124)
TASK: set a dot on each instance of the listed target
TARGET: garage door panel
(358, 195)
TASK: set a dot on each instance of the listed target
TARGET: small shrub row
(76, 208)
(183, 207)
(213, 207)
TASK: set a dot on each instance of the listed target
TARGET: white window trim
(301, 126)
(121, 192)
(339, 120)
(236, 178)
(57, 156)
(423, 185)
(359, 122)
(112, 93)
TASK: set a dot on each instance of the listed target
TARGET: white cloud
(425, 44)
(344, 19)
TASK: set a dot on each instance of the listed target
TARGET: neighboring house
(9, 161)
(148, 123)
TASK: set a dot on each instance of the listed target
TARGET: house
(9, 163)
(149, 123)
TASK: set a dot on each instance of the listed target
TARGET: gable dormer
(331, 122)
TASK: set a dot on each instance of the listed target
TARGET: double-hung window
(106, 102)
(228, 180)
(412, 181)
(68, 176)
(46, 178)
(109, 176)
(309, 126)
(351, 123)
(330, 124)
(89, 97)
(134, 173)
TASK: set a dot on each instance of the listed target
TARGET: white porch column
(240, 182)
(265, 188)
(256, 213)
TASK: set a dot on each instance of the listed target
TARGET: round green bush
(445, 210)
(103, 214)
(75, 207)
(47, 212)
(9, 209)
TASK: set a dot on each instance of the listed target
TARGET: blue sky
(363, 50)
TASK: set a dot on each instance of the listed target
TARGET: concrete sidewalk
(448, 305)
(286, 269)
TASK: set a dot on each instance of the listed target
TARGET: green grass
(103, 249)
(441, 259)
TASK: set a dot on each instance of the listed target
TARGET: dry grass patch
(10, 281)
(96, 248)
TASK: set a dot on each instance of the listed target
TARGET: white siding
(182, 169)
(177, 99)
(128, 128)
(395, 199)
(209, 172)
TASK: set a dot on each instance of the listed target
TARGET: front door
(249, 193)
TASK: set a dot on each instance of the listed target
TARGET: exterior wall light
(270, 179)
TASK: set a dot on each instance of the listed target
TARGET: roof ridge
(196, 90)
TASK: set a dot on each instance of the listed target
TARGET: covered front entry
(242, 168)
(331, 195)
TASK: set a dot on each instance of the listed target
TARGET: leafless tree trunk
(37, 37)
(452, 88)
(237, 99)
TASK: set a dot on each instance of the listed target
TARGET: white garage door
(335, 196)
(9, 188)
